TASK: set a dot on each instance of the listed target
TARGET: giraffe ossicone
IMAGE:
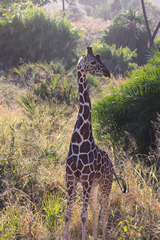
(86, 162)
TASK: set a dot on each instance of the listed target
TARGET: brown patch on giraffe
(73, 166)
(99, 158)
(95, 153)
(91, 167)
(91, 176)
(85, 131)
(90, 136)
(85, 147)
(79, 122)
(80, 165)
(107, 171)
(91, 158)
(81, 99)
(98, 167)
(85, 185)
(80, 88)
(84, 158)
(84, 84)
(79, 74)
(70, 178)
(95, 164)
(70, 151)
(102, 169)
(75, 149)
(84, 177)
(81, 80)
(68, 170)
(86, 96)
(86, 169)
(80, 108)
(70, 190)
(86, 112)
(71, 159)
(76, 138)
(98, 175)
(92, 145)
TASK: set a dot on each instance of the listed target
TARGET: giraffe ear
(98, 58)
(90, 52)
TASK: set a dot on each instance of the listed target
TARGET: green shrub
(32, 35)
(128, 29)
(48, 82)
(157, 42)
(130, 107)
(118, 61)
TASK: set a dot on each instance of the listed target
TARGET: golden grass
(32, 167)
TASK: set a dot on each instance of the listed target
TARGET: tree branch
(145, 18)
(155, 31)
(70, 3)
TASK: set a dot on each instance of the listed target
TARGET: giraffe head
(92, 63)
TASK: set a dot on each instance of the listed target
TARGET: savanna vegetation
(38, 110)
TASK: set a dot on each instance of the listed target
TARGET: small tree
(130, 107)
(128, 29)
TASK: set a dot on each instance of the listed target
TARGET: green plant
(28, 104)
(55, 209)
(128, 29)
(32, 35)
(157, 42)
(117, 61)
(130, 107)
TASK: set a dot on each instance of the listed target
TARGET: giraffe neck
(84, 99)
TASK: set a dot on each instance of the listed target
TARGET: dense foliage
(130, 107)
(33, 35)
(46, 82)
(117, 61)
(128, 29)
(38, 110)
(34, 139)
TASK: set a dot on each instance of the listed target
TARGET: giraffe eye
(94, 62)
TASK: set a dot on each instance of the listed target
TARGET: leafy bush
(118, 61)
(131, 106)
(128, 29)
(157, 42)
(48, 82)
(32, 35)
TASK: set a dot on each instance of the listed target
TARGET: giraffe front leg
(95, 207)
(70, 200)
(84, 213)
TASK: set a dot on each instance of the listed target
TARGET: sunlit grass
(33, 150)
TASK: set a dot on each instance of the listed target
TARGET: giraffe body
(86, 162)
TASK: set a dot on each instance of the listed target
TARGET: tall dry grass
(32, 179)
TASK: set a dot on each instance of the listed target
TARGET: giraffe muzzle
(106, 73)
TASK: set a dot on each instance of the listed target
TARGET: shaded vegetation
(130, 107)
(33, 35)
(38, 110)
(118, 61)
(128, 29)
